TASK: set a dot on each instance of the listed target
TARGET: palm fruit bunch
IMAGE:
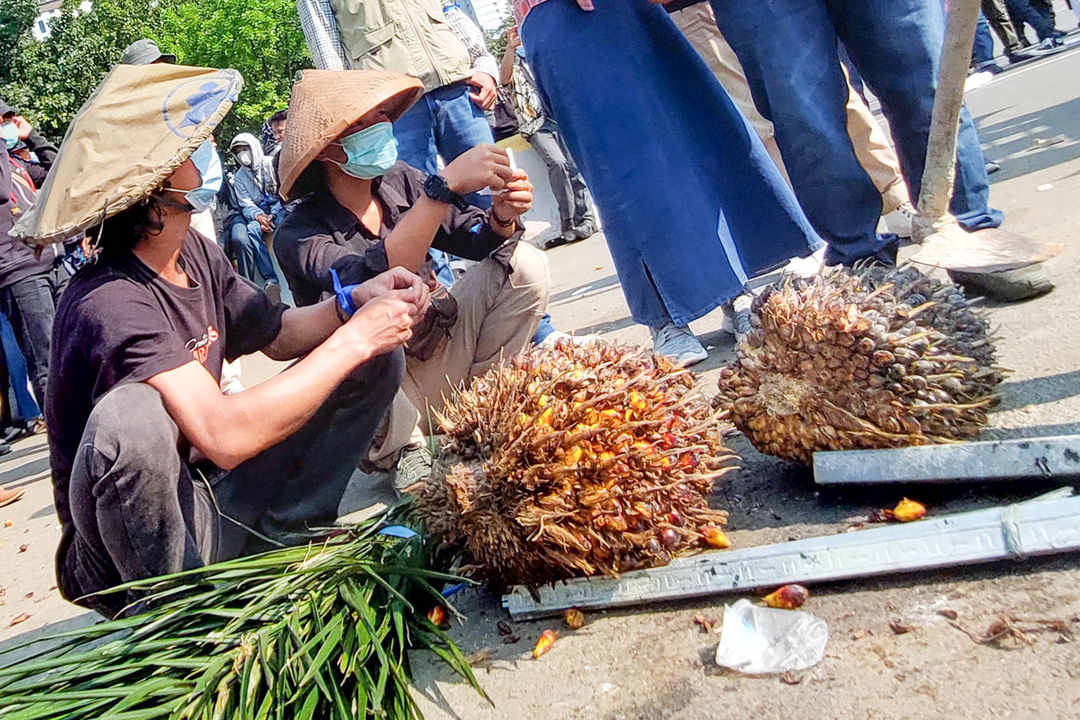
(575, 461)
(866, 358)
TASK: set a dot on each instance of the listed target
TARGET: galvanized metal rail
(1031, 458)
(1042, 526)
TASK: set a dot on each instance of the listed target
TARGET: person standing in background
(692, 205)
(30, 284)
(576, 220)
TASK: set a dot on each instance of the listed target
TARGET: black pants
(140, 511)
(30, 304)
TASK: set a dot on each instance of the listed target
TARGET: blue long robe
(688, 196)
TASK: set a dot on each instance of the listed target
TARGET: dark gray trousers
(569, 189)
(140, 510)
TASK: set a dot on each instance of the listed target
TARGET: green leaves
(319, 631)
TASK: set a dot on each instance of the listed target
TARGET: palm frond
(314, 631)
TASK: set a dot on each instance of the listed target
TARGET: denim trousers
(1023, 11)
(788, 49)
(22, 405)
(29, 305)
(249, 249)
(982, 52)
(443, 122)
(140, 510)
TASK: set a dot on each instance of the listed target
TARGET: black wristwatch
(437, 189)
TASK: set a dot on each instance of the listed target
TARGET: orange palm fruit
(545, 642)
(715, 537)
(787, 597)
(437, 616)
(908, 510)
(574, 618)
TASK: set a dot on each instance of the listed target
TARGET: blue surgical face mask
(206, 161)
(11, 135)
(371, 152)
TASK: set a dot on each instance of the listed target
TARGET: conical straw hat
(326, 102)
(139, 125)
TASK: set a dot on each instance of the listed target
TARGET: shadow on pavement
(1011, 143)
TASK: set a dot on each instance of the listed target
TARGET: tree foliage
(496, 39)
(48, 81)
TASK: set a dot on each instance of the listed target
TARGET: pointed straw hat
(136, 129)
(324, 104)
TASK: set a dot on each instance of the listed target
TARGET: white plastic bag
(759, 640)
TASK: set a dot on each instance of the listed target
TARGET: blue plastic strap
(398, 531)
(343, 294)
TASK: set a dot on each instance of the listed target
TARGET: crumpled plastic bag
(759, 640)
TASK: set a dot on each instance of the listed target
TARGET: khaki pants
(875, 153)
(497, 316)
(698, 24)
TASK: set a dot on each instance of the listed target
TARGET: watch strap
(435, 187)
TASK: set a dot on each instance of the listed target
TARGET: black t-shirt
(319, 234)
(120, 322)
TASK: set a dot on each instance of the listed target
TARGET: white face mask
(243, 156)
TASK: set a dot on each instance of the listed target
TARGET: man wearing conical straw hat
(361, 211)
(154, 469)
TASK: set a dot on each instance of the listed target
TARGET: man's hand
(515, 199)
(383, 324)
(395, 280)
(24, 128)
(513, 38)
(479, 167)
(266, 223)
(485, 96)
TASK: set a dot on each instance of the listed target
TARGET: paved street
(655, 663)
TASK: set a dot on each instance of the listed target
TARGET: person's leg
(263, 262)
(897, 46)
(23, 405)
(584, 216)
(546, 145)
(876, 154)
(243, 250)
(982, 52)
(134, 507)
(297, 484)
(498, 313)
(788, 49)
(994, 11)
(1023, 11)
(28, 304)
(698, 24)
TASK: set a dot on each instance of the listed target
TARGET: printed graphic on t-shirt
(200, 347)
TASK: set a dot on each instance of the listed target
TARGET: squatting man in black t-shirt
(359, 210)
(155, 470)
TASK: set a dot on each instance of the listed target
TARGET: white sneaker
(900, 220)
(554, 337)
(808, 266)
(976, 80)
(677, 344)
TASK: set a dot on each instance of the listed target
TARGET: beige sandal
(9, 496)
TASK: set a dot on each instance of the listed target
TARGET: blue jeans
(24, 406)
(443, 122)
(1023, 11)
(249, 248)
(788, 49)
(982, 53)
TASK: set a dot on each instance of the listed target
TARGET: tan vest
(411, 37)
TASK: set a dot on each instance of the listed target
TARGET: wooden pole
(937, 179)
